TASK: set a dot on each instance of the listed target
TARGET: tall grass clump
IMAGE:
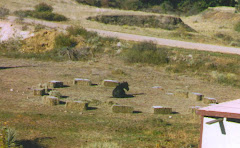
(146, 52)
(63, 40)
(237, 27)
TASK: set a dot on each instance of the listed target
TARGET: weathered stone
(208, 100)
(76, 105)
(84, 82)
(195, 96)
(181, 94)
(38, 92)
(194, 109)
(110, 83)
(122, 109)
(161, 110)
(55, 84)
(50, 100)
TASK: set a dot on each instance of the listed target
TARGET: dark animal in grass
(119, 92)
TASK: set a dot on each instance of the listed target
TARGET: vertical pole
(201, 132)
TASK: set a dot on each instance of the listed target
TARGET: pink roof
(229, 109)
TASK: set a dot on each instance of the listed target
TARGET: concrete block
(76, 105)
(161, 110)
(55, 84)
(208, 100)
(122, 109)
(110, 83)
(83, 82)
(194, 109)
(181, 94)
(50, 100)
(195, 96)
(38, 92)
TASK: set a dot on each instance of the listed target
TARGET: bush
(42, 11)
(43, 7)
(3, 12)
(237, 27)
(146, 52)
(63, 40)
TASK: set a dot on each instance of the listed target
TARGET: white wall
(216, 137)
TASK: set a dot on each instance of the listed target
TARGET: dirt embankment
(151, 21)
(43, 41)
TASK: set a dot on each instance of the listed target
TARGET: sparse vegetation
(4, 12)
(42, 11)
(237, 27)
(186, 7)
(146, 52)
(164, 22)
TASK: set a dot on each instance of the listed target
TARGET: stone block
(208, 100)
(55, 84)
(83, 82)
(194, 109)
(195, 96)
(38, 92)
(122, 109)
(181, 94)
(161, 110)
(50, 100)
(76, 105)
(110, 83)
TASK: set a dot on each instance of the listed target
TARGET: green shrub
(237, 27)
(43, 7)
(146, 52)
(63, 40)
(3, 12)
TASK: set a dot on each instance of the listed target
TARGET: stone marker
(195, 96)
(55, 84)
(84, 82)
(161, 110)
(50, 100)
(38, 92)
(194, 109)
(76, 105)
(122, 109)
(208, 100)
(110, 83)
(181, 94)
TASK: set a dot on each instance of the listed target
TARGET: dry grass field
(39, 125)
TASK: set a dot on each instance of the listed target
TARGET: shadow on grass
(137, 112)
(92, 108)
(36, 143)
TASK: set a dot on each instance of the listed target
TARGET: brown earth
(42, 41)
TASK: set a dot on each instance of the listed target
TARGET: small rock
(11, 89)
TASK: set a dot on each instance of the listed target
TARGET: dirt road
(132, 37)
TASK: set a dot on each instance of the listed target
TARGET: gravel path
(169, 42)
(132, 37)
